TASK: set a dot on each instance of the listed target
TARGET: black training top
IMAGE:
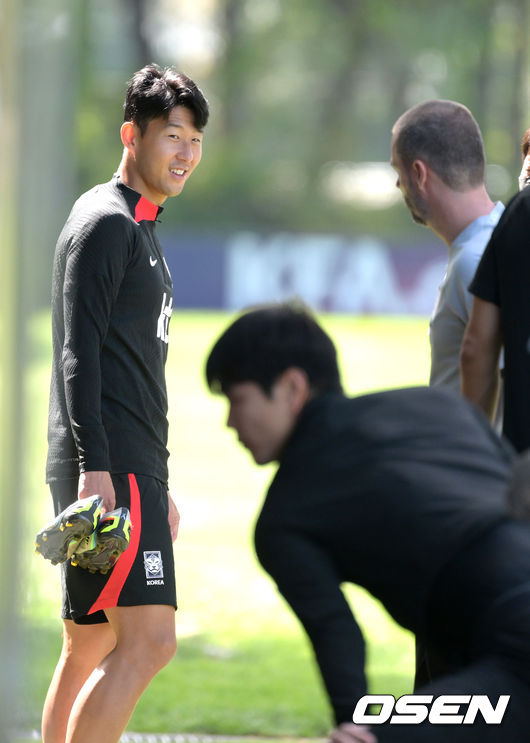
(112, 298)
(502, 278)
(383, 491)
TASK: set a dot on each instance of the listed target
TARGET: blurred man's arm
(307, 578)
(479, 356)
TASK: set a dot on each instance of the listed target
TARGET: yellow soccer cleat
(59, 539)
(100, 551)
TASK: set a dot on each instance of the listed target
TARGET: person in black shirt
(111, 303)
(401, 492)
(500, 319)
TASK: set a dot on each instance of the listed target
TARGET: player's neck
(129, 175)
(458, 210)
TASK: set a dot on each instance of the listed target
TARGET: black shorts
(144, 573)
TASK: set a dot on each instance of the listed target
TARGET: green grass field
(243, 666)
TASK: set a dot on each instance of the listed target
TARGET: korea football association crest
(154, 569)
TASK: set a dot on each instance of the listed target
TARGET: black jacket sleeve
(95, 264)
(309, 582)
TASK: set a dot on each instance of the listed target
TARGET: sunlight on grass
(244, 665)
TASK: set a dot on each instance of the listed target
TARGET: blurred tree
(48, 88)
(296, 86)
(142, 40)
(340, 94)
(234, 80)
(520, 78)
(485, 62)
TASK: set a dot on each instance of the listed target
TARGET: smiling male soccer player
(401, 492)
(111, 305)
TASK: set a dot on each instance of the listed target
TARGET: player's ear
(298, 388)
(128, 135)
(419, 170)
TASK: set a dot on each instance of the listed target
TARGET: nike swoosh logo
(152, 261)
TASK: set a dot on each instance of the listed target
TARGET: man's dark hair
(265, 341)
(153, 91)
(525, 143)
(444, 135)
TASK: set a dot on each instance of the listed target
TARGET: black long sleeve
(309, 582)
(111, 304)
(94, 269)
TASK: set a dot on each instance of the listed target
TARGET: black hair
(446, 136)
(153, 92)
(265, 341)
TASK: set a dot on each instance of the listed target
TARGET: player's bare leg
(84, 647)
(145, 643)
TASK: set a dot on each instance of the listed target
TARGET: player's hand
(349, 732)
(173, 517)
(98, 483)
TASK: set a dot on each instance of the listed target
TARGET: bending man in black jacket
(402, 492)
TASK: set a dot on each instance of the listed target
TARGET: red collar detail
(145, 209)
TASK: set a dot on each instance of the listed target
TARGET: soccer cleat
(100, 550)
(59, 539)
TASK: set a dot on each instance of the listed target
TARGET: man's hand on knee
(349, 732)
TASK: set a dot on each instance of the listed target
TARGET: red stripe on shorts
(110, 594)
